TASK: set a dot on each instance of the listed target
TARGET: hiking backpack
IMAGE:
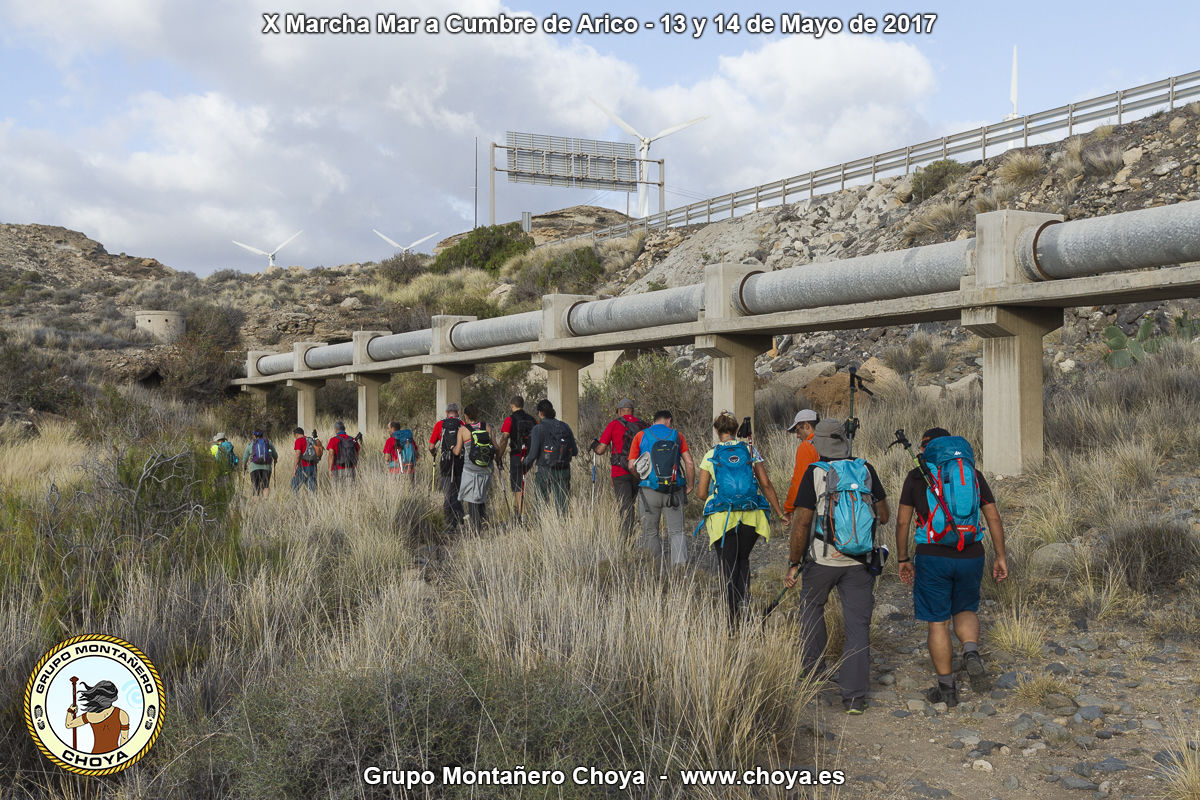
(556, 445)
(312, 450)
(620, 457)
(520, 430)
(480, 450)
(954, 508)
(260, 451)
(446, 459)
(734, 486)
(227, 448)
(406, 446)
(347, 452)
(845, 509)
(665, 455)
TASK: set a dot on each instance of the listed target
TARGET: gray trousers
(854, 586)
(654, 505)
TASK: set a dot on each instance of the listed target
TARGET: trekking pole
(593, 503)
(774, 603)
(856, 384)
(923, 468)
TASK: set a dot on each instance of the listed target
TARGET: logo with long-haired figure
(94, 704)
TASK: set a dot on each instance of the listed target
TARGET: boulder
(1054, 559)
(965, 385)
(929, 394)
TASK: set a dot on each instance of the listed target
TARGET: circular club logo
(94, 704)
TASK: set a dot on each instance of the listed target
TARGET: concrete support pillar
(306, 401)
(368, 401)
(562, 382)
(449, 385)
(732, 356)
(733, 370)
(1012, 345)
(1012, 383)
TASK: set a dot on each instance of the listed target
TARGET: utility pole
(476, 182)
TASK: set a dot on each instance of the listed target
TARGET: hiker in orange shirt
(804, 426)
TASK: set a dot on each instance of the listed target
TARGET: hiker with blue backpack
(222, 451)
(946, 569)
(401, 451)
(735, 510)
(843, 502)
(659, 456)
(259, 458)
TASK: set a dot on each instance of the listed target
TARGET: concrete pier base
(562, 384)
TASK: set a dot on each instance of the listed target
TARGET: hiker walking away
(222, 450)
(401, 451)
(804, 426)
(259, 457)
(735, 508)
(343, 455)
(659, 455)
(616, 440)
(552, 446)
(475, 447)
(946, 570)
(515, 433)
(450, 466)
(845, 499)
(308, 453)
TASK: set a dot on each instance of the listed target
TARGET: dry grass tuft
(1020, 168)
(1102, 132)
(993, 199)
(1182, 775)
(1036, 690)
(1100, 162)
(31, 464)
(938, 219)
(1018, 633)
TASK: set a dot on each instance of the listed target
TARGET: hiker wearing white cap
(804, 426)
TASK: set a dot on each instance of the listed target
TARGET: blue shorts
(945, 586)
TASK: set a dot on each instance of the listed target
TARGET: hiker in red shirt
(616, 438)
(401, 451)
(343, 451)
(516, 431)
(306, 471)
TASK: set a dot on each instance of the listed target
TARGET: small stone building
(166, 326)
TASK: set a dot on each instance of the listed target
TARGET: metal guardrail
(1169, 91)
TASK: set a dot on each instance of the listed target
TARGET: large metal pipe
(400, 345)
(881, 276)
(275, 364)
(330, 355)
(498, 331)
(632, 312)
(1149, 237)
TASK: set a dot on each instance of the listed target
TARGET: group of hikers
(834, 509)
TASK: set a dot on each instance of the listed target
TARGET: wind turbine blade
(1012, 94)
(254, 250)
(422, 239)
(625, 126)
(293, 236)
(677, 128)
(393, 243)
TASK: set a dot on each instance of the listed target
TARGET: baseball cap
(339, 426)
(624, 402)
(803, 415)
(830, 440)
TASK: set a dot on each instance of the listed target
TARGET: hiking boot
(942, 694)
(977, 672)
(855, 705)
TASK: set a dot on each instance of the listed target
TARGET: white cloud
(337, 135)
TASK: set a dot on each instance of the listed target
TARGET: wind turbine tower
(644, 151)
(1012, 97)
(271, 255)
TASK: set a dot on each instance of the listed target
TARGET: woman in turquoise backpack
(735, 510)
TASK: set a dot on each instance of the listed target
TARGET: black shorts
(260, 479)
(516, 474)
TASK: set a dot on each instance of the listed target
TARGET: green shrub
(464, 291)
(485, 248)
(402, 267)
(653, 383)
(203, 363)
(576, 271)
(34, 378)
(934, 177)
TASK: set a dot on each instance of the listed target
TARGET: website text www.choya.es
(597, 776)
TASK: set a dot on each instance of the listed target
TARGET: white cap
(803, 415)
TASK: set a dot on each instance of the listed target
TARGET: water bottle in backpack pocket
(953, 518)
(845, 515)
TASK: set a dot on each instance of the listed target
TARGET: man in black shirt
(824, 568)
(946, 580)
(552, 446)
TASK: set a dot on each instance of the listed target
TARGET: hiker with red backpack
(516, 433)
(449, 466)
(659, 455)
(401, 451)
(259, 457)
(343, 454)
(308, 453)
(617, 438)
(735, 510)
(946, 569)
(841, 500)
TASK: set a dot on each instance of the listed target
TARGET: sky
(167, 130)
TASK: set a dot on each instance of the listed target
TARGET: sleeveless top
(107, 732)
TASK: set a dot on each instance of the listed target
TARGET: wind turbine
(398, 246)
(644, 150)
(271, 255)
(1012, 97)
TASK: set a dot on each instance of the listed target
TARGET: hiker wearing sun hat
(221, 446)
